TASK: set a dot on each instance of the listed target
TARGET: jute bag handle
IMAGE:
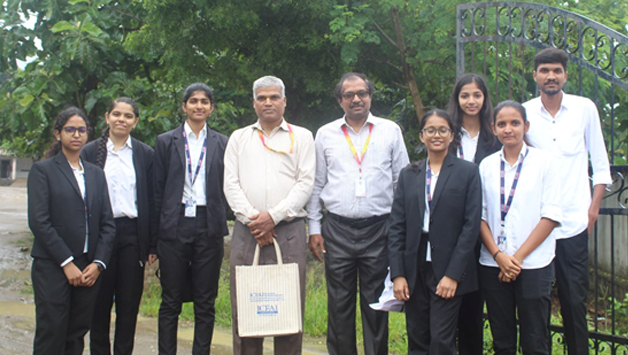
(277, 252)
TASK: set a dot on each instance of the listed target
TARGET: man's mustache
(354, 104)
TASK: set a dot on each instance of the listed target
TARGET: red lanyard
(353, 150)
(261, 136)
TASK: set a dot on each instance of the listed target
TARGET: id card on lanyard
(360, 183)
(190, 203)
(428, 193)
(502, 239)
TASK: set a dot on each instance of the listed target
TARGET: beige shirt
(259, 179)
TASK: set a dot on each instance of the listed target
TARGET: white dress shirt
(537, 196)
(121, 180)
(426, 214)
(469, 145)
(572, 134)
(197, 191)
(258, 179)
(337, 170)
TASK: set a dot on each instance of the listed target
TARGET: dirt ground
(17, 311)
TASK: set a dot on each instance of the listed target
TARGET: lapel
(445, 172)
(480, 151)
(421, 189)
(138, 162)
(90, 185)
(66, 170)
(209, 155)
(179, 144)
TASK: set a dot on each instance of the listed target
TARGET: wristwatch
(100, 267)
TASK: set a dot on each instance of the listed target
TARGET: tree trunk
(408, 70)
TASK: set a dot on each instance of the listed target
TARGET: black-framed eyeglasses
(71, 130)
(348, 96)
(431, 131)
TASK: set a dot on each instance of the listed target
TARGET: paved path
(17, 311)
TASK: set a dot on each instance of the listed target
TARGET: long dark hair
(487, 138)
(101, 156)
(60, 121)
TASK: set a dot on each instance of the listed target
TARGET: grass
(315, 318)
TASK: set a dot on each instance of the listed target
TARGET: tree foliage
(87, 52)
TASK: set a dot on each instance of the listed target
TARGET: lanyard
(366, 145)
(261, 136)
(460, 152)
(506, 206)
(428, 185)
(200, 159)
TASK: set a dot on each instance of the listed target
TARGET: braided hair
(60, 121)
(101, 156)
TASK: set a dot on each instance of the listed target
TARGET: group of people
(499, 209)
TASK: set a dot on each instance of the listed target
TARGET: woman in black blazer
(128, 166)
(70, 217)
(434, 227)
(472, 112)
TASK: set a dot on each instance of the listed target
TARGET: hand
(151, 259)
(90, 275)
(266, 239)
(593, 216)
(261, 224)
(504, 278)
(316, 242)
(509, 265)
(446, 288)
(73, 274)
(400, 288)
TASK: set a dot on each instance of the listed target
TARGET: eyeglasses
(71, 130)
(431, 131)
(348, 96)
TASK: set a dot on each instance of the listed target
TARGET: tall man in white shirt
(269, 174)
(569, 125)
(191, 219)
(358, 160)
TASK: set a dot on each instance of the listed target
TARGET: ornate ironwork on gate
(499, 40)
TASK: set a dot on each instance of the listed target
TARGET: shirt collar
(76, 170)
(522, 153)
(564, 103)
(126, 144)
(283, 125)
(369, 119)
(188, 131)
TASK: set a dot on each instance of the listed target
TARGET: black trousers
(529, 297)
(122, 282)
(355, 254)
(572, 281)
(470, 320)
(63, 313)
(200, 254)
(430, 319)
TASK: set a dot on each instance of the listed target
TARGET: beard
(551, 92)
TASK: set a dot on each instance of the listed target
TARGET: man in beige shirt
(269, 175)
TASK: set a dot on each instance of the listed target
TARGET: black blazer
(482, 150)
(56, 212)
(169, 177)
(143, 164)
(454, 223)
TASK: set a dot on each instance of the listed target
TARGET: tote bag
(268, 298)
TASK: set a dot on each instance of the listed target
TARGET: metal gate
(499, 40)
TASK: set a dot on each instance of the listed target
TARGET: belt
(357, 223)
